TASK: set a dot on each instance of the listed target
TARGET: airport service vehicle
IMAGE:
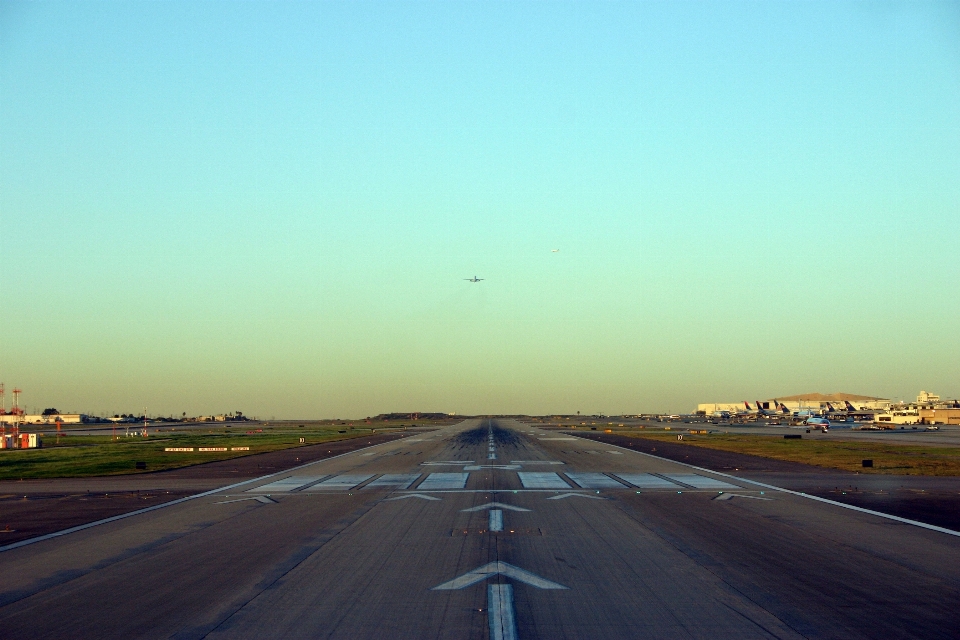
(818, 423)
(933, 427)
(905, 416)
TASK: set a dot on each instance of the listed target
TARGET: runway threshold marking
(413, 495)
(915, 523)
(286, 484)
(345, 481)
(493, 569)
(503, 623)
(542, 480)
(698, 482)
(594, 480)
(575, 495)
(495, 505)
(398, 480)
(444, 481)
(647, 481)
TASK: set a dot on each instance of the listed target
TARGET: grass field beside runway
(834, 454)
(78, 456)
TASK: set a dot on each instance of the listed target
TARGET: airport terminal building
(802, 402)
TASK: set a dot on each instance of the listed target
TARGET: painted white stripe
(412, 495)
(285, 485)
(915, 523)
(698, 481)
(496, 520)
(594, 480)
(575, 495)
(647, 481)
(535, 462)
(347, 481)
(437, 463)
(541, 480)
(444, 481)
(503, 624)
(557, 438)
(478, 467)
(399, 480)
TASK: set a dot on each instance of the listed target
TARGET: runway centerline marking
(503, 623)
(495, 520)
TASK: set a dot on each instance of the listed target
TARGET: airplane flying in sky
(473, 279)
(554, 250)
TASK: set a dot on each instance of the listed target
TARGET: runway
(489, 529)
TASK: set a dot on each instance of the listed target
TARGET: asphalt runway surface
(30, 508)
(931, 499)
(489, 530)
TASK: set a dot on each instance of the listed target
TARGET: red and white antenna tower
(16, 403)
(3, 400)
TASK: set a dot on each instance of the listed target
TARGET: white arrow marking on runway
(731, 496)
(574, 495)
(495, 505)
(498, 569)
(263, 499)
(413, 495)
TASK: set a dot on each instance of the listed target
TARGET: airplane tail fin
(747, 405)
(848, 405)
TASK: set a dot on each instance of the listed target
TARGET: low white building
(64, 418)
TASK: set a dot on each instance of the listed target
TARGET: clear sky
(272, 206)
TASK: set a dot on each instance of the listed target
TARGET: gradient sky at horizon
(271, 206)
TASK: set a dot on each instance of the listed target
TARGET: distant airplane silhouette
(473, 279)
